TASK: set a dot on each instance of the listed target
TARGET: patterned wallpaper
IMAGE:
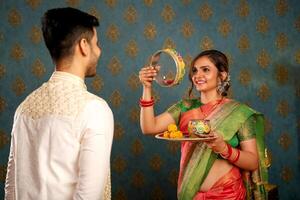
(261, 39)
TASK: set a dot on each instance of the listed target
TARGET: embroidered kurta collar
(59, 75)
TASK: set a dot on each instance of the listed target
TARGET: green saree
(197, 158)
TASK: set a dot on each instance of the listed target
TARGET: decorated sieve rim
(180, 66)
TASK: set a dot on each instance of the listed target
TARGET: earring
(223, 86)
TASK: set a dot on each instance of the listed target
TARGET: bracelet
(220, 152)
(236, 158)
(146, 103)
(229, 148)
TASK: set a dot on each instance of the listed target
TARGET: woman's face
(205, 75)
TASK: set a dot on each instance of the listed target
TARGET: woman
(212, 169)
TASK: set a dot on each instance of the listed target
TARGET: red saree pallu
(229, 187)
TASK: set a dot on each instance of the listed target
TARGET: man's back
(62, 138)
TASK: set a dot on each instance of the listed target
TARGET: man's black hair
(64, 27)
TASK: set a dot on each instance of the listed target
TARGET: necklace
(211, 108)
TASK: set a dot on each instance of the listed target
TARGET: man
(62, 134)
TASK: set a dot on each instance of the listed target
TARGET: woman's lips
(199, 82)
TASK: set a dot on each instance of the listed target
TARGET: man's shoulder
(96, 100)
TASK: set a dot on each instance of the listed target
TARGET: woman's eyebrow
(201, 67)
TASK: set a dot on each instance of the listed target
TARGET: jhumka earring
(223, 86)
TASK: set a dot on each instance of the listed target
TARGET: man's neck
(71, 68)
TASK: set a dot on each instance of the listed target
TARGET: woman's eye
(206, 69)
(194, 70)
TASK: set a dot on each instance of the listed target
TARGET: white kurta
(61, 144)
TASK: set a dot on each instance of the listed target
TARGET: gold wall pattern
(262, 25)
(34, 4)
(116, 98)
(120, 194)
(224, 28)
(130, 15)
(73, 3)
(97, 83)
(134, 114)
(1, 36)
(173, 177)
(35, 35)
(281, 41)
(2, 104)
(243, 43)
(283, 108)
(264, 92)
(3, 172)
(187, 29)
(168, 14)
(206, 43)
(138, 179)
(187, 60)
(14, 18)
(17, 52)
(2, 70)
(113, 33)
(243, 9)
(115, 66)
(133, 82)
(137, 147)
(148, 3)
(173, 147)
(285, 141)
(286, 174)
(169, 43)
(132, 49)
(38, 68)
(297, 56)
(157, 193)
(205, 12)
(245, 77)
(297, 23)
(156, 162)
(119, 164)
(282, 74)
(4, 139)
(111, 3)
(263, 59)
(281, 7)
(95, 12)
(150, 31)
(268, 125)
(18, 86)
(118, 131)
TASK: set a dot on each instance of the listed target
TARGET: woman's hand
(218, 144)
(147, 75)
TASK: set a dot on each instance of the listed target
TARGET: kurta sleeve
(94, 158)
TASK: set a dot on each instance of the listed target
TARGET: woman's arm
(151, 124)
(248, 159)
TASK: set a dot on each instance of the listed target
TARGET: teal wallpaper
(261, 38)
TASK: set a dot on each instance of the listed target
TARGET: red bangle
(237, 157)
(146, 103)
(229, 153)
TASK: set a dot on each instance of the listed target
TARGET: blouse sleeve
(175, 111)
(247, 130)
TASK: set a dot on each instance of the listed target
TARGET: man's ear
(84, 46)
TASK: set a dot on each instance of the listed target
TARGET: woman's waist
(218, 170)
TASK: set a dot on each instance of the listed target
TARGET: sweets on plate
(172, 132)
